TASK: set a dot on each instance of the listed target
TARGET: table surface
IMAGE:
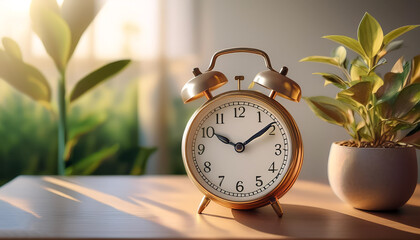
(164, 207)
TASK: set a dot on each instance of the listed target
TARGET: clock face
(239, 148)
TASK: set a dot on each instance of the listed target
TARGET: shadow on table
(408, 215)
(310, 222)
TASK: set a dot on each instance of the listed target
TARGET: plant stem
(62, 130)
(346, 73)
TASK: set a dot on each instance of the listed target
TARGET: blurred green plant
(384, 106)
(60, 30)
(29, 132)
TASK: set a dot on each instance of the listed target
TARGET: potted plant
(377, 168)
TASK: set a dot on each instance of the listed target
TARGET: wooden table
(164, 207)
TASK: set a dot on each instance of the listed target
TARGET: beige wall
(289, 30)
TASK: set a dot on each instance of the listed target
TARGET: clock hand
(224, 139)
(259, 133)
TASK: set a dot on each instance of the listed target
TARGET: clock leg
(204, 202)
(277, 208)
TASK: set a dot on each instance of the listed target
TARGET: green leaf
(81, 128)
(358, 93)
(393, 82)
(12, 48)
(334, 79)
(96, 77)
(140, 163)
(348, 42)
(406, 100)
(88, 165)
(53, 32)
(376, 81)
(25, 78)
(340, 54)
(384, 110)
(397, 32)
(321, 59)
(390, 47)
(415, 70)
(70, 144)
(381, 61)
(87, 125)
(78, 14)
(330, 110)
(370, 35)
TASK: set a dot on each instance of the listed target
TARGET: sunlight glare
(61, 194)
(21, 204)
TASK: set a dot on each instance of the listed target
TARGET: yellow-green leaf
(340, 54)
(357, 94)
(96, 77)
(321, 59)
(47, 4)
(330, 110)
(12, 48)
(24, 77)
(34, 75)
(364, 133)
(370, 35)
(415, 70)
(348, 42)
(406, 100)
(79, 14)
(376, 81)
(53, 32)
(397, 32)
(358, 70)
(334, 79)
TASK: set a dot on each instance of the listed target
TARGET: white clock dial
(227, 160)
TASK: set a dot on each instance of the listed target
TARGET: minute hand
(258, 134)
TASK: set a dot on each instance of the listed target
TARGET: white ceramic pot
(373, 178)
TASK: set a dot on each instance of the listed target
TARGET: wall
(289, 30)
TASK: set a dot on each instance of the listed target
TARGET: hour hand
(224, 139)
(259, 133)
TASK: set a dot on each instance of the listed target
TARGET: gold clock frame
(289, 177)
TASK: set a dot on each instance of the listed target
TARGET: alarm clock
(241, 148)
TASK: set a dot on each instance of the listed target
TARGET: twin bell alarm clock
(241, 148)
